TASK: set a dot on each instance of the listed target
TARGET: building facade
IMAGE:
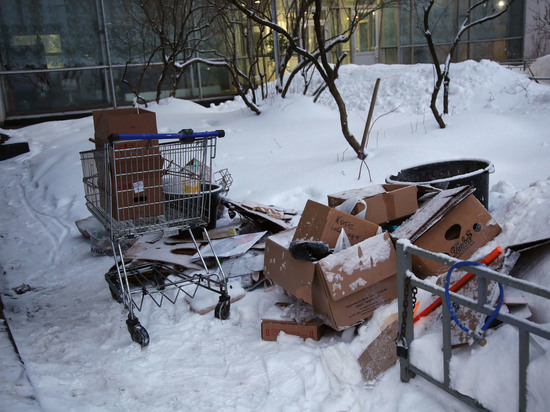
(61, 57)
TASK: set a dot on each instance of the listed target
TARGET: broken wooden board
(205, 301)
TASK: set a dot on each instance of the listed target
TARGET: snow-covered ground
(72, 335)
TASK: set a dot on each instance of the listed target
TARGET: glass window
(389, 27)
(498, 50)
(510, 24)
(49, 34)
(57, 91)
(366, 34)
(388, 55)
(405, 29)
(215, 81)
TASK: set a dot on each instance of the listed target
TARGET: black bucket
(450, 174)
(175, 204)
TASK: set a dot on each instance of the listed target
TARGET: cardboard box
(135, 166)
(137, 196)
(134, 160)
(453, 222)
(320, 222)
(134, 183)
(384, 202)
(125, 121)
(344, 288)
(312, 329)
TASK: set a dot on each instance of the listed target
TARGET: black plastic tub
(450, 174)
(188, 205)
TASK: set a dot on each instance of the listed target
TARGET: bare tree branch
(442, 74)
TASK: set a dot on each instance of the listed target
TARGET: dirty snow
(72, 335)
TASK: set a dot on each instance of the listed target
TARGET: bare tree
(486, 11)
(541, 28)
(318, 12)
(169, 31)
(239, 48)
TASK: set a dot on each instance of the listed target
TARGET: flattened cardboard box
(453, 222)
(380, 355)
(346, 287)
(384, 202)
(312, 329)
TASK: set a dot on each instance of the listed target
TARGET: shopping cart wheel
(223, 307)
(137, 332)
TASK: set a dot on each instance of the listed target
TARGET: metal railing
(407, 281)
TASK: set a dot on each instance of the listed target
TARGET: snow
(72, 335)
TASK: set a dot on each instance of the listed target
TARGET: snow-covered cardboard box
(296, 319)
(452, 222)
(311, 329)
(345, 287)
(384, 202)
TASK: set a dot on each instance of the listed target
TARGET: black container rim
(490, 168)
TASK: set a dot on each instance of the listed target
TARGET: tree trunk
(433, 105)
(446, 82)
(330, 79)
(439, 74)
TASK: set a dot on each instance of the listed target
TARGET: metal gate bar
(407, 280)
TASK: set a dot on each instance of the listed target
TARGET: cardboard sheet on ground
(159, 251)
(250, 262)
(231, 246)
(272, 218)
(380, 355)
(100, 243)
(205, 301)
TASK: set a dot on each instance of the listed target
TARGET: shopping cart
(137, 186)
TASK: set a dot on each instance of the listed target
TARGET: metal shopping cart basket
(134, 186)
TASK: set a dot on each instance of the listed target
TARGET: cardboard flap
(312, 222)
(433, 211)
(293, 275)
(359, 266)
(363, 192)
(125, 120)
(383, 202)
(322, 223)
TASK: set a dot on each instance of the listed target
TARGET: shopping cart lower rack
(137, 186)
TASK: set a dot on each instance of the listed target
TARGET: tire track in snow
(56, 235)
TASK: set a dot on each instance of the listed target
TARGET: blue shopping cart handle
(183, 134)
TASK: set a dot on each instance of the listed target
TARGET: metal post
(2, 94)
(107, 53)
(523, 364)
(447, 353)
(404, 299)
(276, 44)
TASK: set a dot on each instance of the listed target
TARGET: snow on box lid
(364, 192)
(359, 266)
(428, 215)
